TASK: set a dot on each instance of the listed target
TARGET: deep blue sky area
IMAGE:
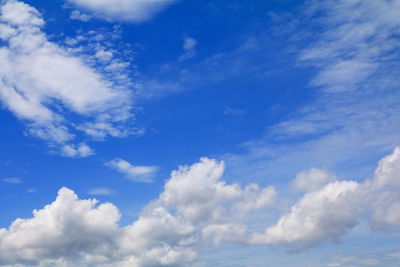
(183, 126)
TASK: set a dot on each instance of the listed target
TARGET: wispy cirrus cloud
(12, 180)
(189, 48)
(352, 118)
(101, 191)
(135, 173)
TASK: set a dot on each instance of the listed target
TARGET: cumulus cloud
(329, 212)
(386, 188)
(136, 173)
(198, 194)
(387, 173)
(123, 10)
(41, 82)
(318, 216)
(196, 208)
(71, 231)
(67, 228)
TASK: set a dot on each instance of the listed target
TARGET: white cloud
(67, 228)
(318, 216)
(234, 112)
(189, 48)
(12, 180)
(198, 194)
(80, 151)
(136, 173)
(386, 213)
(41, 82)
(77, 15)
(215, 234)
(101, 191)
(31, 190)
(196, 197)
(350, 51)
(386, 188)
(312, 179)
(123, 10)
(387, 173)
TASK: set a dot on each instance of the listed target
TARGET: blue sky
(210, 133)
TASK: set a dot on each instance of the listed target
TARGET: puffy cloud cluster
(196, 207)
(67, 228)
(122, 10)
(318, 216)
(197, 193)
(327, 213)
(47, 85)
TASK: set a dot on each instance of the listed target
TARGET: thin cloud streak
(132, 172)
(353, 119)
(12, 180)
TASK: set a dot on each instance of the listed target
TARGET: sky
(147, 133)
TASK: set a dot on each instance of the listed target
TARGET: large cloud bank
(197, 208)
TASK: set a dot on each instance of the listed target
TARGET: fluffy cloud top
(329, 212)
(41, 82)
(318, 216)
(123, 10)
(68, 227)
